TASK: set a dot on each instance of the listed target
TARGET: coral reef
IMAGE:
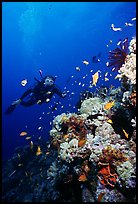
(91, 154)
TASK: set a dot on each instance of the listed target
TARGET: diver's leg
(28, 103)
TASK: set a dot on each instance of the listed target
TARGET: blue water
(56, 38)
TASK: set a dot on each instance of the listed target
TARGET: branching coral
(128, 69)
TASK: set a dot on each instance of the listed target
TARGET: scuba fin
(10, 109)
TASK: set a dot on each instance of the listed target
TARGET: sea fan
(117, 57)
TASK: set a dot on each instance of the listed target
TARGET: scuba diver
(41, 92)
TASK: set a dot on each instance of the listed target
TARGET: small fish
(115, 29)
(77, 68)
(40, 118)
(49, 92)
(106, 79)
(19, 156)
(119, 42)
(107, 63)
(110, 41)
(39, 128)
(110, 121)
(23, 133)
(47, 153)
(39, 101)
(79, 83)
(109, 105)
(126, 134)
(133, 19)
(26, 173)
(128, 24)
(81, 142)
(113, 69)
(24, 82)
(106, 74)
(95, 78)
(83, 85)
(20, 164)
(47, 100)
(38, 151)
(28, 138)
(85, 62)
(31, 145)
(82, 178)
(40, 72)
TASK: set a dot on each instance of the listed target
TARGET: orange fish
(109, 105)
(81, 142)
(38, 151)
(82, 178)
(95, 78)
(23, 133)
(126, 134)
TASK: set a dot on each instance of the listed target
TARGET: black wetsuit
(39, 94)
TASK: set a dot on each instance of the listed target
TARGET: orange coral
(105, 176)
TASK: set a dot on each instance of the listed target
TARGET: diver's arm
(58, 92)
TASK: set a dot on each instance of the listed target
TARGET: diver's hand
(16, 102)
(63, 95)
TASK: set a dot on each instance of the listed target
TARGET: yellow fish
(109, 105)
(126, 134)
(23, 133)
(38, 151)
(95, 78)
(110, 121)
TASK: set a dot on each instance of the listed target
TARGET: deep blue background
(54, 37)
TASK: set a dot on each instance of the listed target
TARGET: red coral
(105, 176)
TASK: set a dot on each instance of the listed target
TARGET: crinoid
(117, 56)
